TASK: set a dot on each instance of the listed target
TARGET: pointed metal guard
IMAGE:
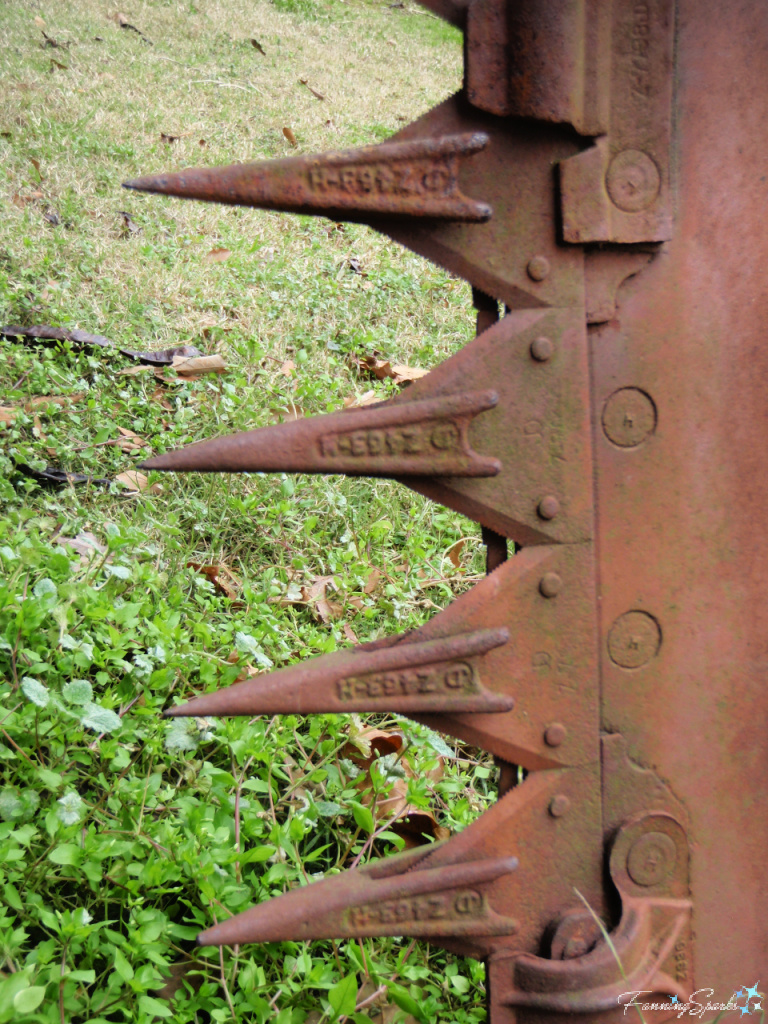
(393, 896)
(425, 438)
(418, 178)
(440, 675)
(502, 668)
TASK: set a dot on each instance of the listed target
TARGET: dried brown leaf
(287, 368)
(257, 46)
(454, 552)
(190, 369)
(85, 544)
(40, 22)
(290, 137)
(373, 581)
(315, 93)
(218, 255)
(349, 633)
(132, 481)
(36, 164)
(223, 579)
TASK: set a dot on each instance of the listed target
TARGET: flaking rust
(628, 462)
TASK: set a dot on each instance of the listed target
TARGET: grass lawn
(123, 834)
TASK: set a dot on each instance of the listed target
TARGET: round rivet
(629, 417)
(542, 349)
(548, 507)
(633, 181)
(651, 858)
(555, 734)
(634, 639)
(550, 584)
(538, 268)
(559, 805)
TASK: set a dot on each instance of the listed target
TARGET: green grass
(121, 835)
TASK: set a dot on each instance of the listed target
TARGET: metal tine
(433, 675)
(481, 683)
(424, 438)
(417, 178)
(418, 901)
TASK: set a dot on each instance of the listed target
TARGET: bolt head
(542, 349)
(633, 181)
(634, 639)
(555, 734)
(550, 584)
(651, 858)
(559, 805)
(538, 268)
(548, 507)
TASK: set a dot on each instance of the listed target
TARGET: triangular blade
(387, 898)
(417, 178)
(515, 458)
(441, 675)
(497, 885)
(425, 437)
(545, 713)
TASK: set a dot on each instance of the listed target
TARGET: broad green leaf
(402, 997)
(67, 854)
(45, 588)
(460, 983)
(11, 806)
(155, 1007)
(100, 719)
(257, 855)
(51, 780)
(28, 999)
(35, 691)
(363, 817)
(343, 995)
(328, 809)
(122, 966)
(70, 809)
(182, 734)
(79, 691)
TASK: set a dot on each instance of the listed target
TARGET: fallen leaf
(52, 217)
(373, 581)
(85, 544)
(290, 136)
(9, 413)
(225, 583)
(368, 398)
(356, 266)
(123, 22)
(349, 633)
(383, 369)
(218, 255)
(158, 395)
(193, 368)
(58, 64)
(169, 138)
(202, 142)
(129, 226)
(132, 481)
(287, 368)
(133, 371)
(454, 552)
(257, 46)
(128, 441)
(164, 356)
(315, 93)
(36, 164)
(40, 22)
(54, 43)
(181, 973)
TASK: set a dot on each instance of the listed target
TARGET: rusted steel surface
(417, 178)
(613, 423)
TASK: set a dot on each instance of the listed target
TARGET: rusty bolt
(633, 181)
(634, 639)
(559, 805)
(575, 934)
(651, 858)
(555, 734)
(538, 268)
(550, 584)
(629, 417)
(541, 348)
(548, 507)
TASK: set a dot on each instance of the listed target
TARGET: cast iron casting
(601, 177)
